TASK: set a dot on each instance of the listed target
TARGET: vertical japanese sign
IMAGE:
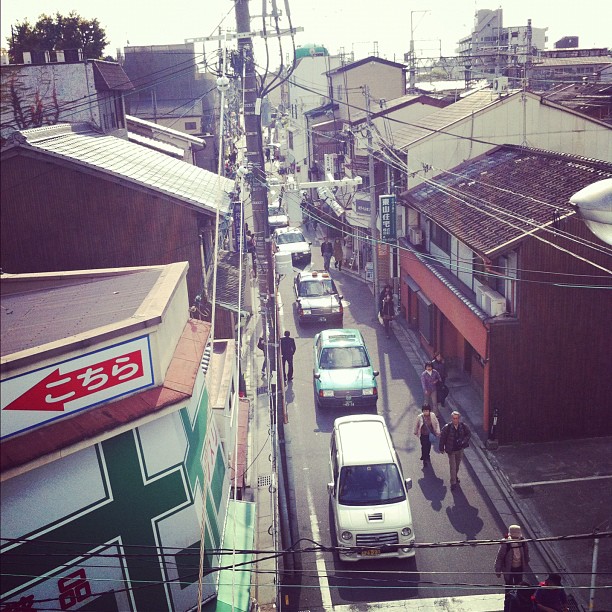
(59, 390)
(237, 212)
(388, 228)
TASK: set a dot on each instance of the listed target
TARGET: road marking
(468, 603)
(316, 536)
(520, 485)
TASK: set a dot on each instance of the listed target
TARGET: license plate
(348, 401)
(370, 552)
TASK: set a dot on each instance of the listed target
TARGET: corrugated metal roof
(492, 193)
(80, 144)
(403, 136)
(70, 306)
(228, 277)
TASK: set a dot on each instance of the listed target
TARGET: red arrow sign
(53, 392)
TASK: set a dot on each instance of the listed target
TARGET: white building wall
(547, 127)
(67, 93)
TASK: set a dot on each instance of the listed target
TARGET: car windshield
(366, 485)
(339, 358)
(289, 238)
(315, 288)
(275, 211)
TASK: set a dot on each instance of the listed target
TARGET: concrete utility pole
(373, 207)
(259, 191)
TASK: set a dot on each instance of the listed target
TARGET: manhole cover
(264, 481)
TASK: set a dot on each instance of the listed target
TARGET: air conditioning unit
(490, 301)
(500, 85)
(416, 236)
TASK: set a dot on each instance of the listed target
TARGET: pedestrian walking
(338, 254)
(287, 345)
(454, 437)
(550, 596)
(429, 383)
(327, 250)
(386, 290)
(261, 345)
(512, 558)
(439, 365)
(387, 312)
(426, 426)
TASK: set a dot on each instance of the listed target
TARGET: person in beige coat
(426, 424)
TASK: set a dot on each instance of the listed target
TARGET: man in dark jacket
(327, 250)
(287, 345)
(454, 437)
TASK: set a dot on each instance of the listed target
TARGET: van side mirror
(330, 488)
(408, 482)
(317, 376)
(375, 373)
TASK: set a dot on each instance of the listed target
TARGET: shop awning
(239, 534)
(413, 286)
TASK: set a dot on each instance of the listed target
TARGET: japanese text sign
(59, 390)
(387, 217)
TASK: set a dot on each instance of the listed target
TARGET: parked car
(277, 216)
(317, 299)
(291, 240)
(368, 492)
(343, 373)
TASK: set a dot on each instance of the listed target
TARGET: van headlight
(306, 311)
(326, 393)
(406, 531)
(347, 535)
(370, 391)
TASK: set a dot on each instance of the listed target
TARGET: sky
(354, 25)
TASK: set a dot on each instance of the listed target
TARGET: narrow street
(321, 580)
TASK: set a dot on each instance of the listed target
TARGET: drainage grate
(264, 481)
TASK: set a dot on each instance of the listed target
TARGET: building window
(191, 125)
(290, 140)
(440, 237)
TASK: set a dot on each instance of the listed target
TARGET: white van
(368, 492)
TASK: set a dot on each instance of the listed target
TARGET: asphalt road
(321, 580)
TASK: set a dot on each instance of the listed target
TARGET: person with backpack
(454, 437)
(512, 558)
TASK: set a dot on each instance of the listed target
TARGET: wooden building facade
(512, 287)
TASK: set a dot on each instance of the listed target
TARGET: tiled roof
(498, 198)
(80, 144)
(548, 62)
(99, 422)
(110, 76)
(405, 135)
(366, 60)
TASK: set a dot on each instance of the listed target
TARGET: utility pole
(259, 191)
(373, 207)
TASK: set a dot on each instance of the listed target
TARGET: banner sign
(388, 213)
(61, 389)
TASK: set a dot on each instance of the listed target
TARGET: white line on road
(520, 485)
(316, 536)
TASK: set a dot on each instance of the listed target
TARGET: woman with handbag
(427, 429)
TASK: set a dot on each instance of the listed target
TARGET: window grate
(264, 481)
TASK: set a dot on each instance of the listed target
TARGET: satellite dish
(594, 204)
